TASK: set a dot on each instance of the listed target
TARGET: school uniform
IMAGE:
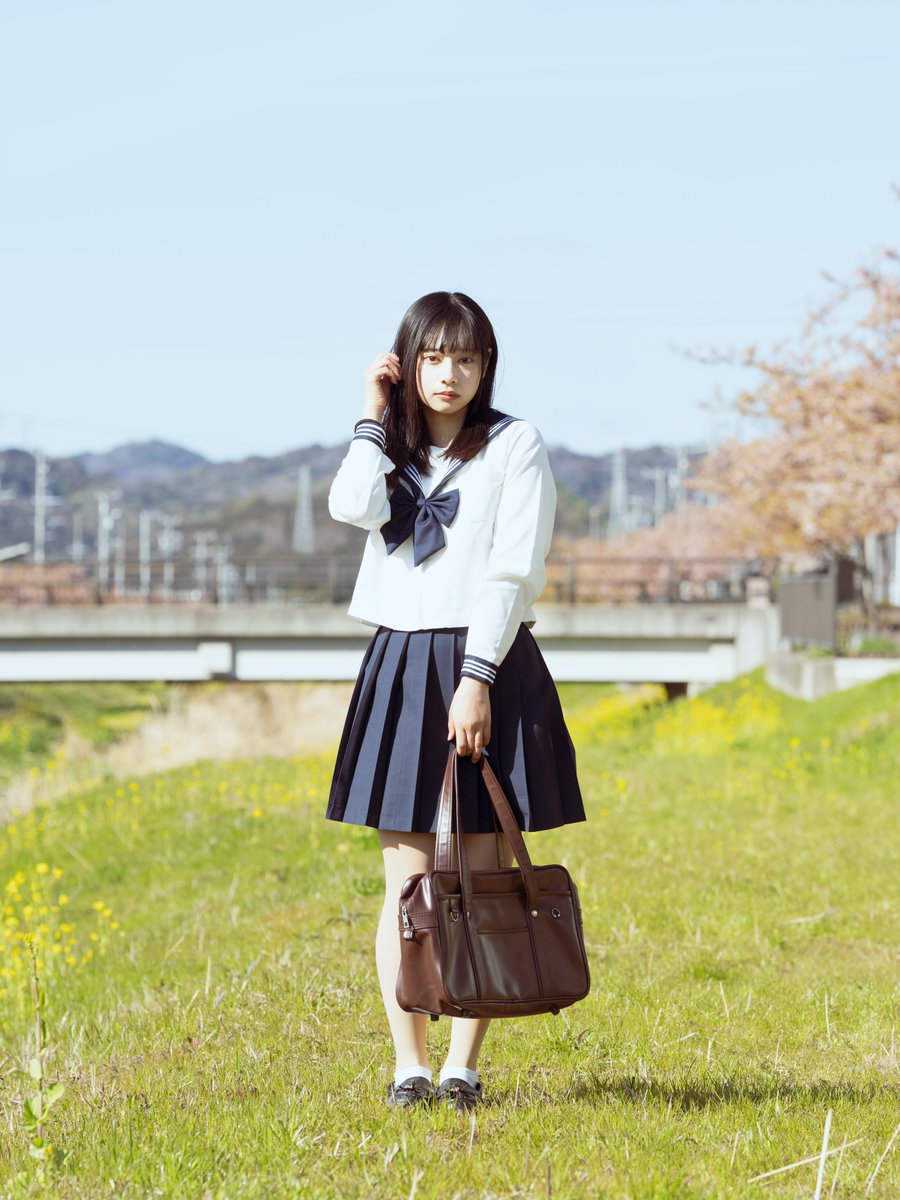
(452, 565)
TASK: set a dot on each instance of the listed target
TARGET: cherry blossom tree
(827, 471)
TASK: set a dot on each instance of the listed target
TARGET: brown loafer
(416, 1090)
(458, 1094)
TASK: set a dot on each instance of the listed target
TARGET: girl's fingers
(385, 364)
(472, 741)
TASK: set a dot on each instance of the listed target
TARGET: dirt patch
(235, 720)
(205, 721)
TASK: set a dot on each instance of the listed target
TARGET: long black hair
(447, 321)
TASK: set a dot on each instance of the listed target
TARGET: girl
(459, 501)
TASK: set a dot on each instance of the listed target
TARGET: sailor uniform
(489, 570)
(453, 562)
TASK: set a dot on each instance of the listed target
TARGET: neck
(443, 427)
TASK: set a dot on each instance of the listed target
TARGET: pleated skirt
(393, 749)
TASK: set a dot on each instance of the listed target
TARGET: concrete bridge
(676, 644)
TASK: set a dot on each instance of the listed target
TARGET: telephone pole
(169, 543)
(203, 539)
(659, 475)
(40, 505)
(304, 527)
(119, 576)
(145, 528)
(106, 520)
(618, 497)
(77, 549)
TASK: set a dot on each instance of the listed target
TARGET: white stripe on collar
(411, 474)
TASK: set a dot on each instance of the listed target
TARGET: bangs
(452, 330)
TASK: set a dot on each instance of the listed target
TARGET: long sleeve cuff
(479, 668)
(372, 431)
(358, 493)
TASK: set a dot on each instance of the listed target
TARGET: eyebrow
(437, 350)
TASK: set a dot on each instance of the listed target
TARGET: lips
(448, 395)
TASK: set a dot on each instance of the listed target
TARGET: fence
(320, 578)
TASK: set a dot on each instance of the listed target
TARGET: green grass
(222, 1034)
(35, 718)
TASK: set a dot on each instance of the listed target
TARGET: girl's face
(448, 379)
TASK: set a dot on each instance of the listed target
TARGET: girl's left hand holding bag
(469, 718)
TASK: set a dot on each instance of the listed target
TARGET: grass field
(204, 939)
(37, 719)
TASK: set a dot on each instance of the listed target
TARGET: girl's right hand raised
(379, 376)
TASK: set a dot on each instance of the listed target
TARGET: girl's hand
(469, 719)
(379, 376)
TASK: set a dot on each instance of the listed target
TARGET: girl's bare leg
(404, 854)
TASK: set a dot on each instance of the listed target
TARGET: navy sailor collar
(420, 516)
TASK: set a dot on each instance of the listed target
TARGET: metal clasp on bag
(408, 931)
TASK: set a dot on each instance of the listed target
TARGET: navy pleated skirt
(393, 750)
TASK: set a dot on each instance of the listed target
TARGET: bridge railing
(329, 579)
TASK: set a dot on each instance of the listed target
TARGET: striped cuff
(370, 431)
(479, 668)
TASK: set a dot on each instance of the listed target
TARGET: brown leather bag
(505, 942)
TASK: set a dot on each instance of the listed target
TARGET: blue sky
(213, 214)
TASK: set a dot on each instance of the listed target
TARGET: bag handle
(449, 817)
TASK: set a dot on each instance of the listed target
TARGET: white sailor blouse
(463, 545)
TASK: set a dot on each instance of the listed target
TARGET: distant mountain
(249, 504)
(140, 462)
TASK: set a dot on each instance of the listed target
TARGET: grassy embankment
(50, 729)
(205, 943)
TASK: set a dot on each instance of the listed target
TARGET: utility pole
(119, 577)
(40, 505)
(106, 520)
(203, 539)
(618, 497)
(77, 549)
(304, 526)
(145, 553)
(145, 517)
(169, 542)
(102, 542)
(659, 475)
(678, 476)
(225, 575)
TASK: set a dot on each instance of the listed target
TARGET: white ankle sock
(448, 1071)
(403, 1073)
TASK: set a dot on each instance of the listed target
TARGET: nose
(447, 374)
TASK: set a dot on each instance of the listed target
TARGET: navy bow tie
(421, 516)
